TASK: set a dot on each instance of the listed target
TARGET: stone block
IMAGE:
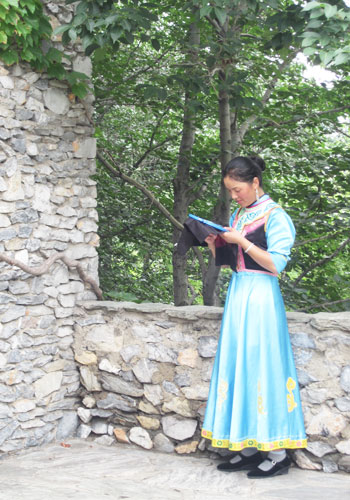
(14, 190)
(149, 422)
(121, 435)
(113, 383)
(86, 358)
(104, 440)
(345, 379)
(56, 101)
(103, 339)
(99, 426)
(305, 462)
(154, 394)
(106, 366)
(41, 201)
(144, 370)
(163, 444)
(179, 406)
(161, 353)
(23, 405)
(67, 426)
(49, 383)
(179, 428)
(319, 448)
(81, 251)
(85, 148)
(89, 379)
(13, 313)
(196, 392)
(140, 437)
(327, 422)
(83, 431)
(207, 346)
(188, 357)
(344, 447)
(187, 448)
(84, 414)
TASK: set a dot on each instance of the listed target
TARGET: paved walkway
(88, 471)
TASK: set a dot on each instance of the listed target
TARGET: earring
(257, 194)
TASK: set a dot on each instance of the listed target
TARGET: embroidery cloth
(254, 398)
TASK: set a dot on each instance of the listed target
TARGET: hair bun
(259, 161)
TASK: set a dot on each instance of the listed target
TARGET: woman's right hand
(210, 240)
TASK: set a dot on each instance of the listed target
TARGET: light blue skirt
(254, 398)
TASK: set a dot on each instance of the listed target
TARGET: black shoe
(277, 469)
(246, 463)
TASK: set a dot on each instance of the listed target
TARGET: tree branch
(272, 123)
(242, 130)
(39, 270)
(311, 240)
(324, 304)
(322, 261)
(117, 172)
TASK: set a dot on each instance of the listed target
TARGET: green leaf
(56, 70)
(100, 54)
(316, 13)
(220, 14)
(3, 37)
(13, 3)
(330, 10)
(80, 90)
(79, 19)
(155, 44)
(54, 55)
(205, 11)
(307, 42)
(341, 59)
(310, 51)
(9, 57)
(72, 34)
(116, 33)
(61, 29)
(314, 24)
(311, 5)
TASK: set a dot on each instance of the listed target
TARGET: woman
(254, 402)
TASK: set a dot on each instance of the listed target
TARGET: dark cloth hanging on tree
(194, 234)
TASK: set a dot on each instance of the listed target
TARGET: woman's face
(242, 193)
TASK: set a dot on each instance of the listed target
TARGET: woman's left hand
(232, 235)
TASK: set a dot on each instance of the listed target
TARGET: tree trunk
(222, 208)
(181, 184)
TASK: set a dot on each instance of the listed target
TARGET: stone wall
(47, 204)
(145, 371)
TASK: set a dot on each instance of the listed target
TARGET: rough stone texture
(158, 378)
(45, 188)
(141, 437)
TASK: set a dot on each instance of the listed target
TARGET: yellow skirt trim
(253, 443)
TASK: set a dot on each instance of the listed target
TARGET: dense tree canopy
(181, 88)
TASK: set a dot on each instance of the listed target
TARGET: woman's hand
(210, 240)
(232, 236)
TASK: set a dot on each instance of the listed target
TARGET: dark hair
(245, 168)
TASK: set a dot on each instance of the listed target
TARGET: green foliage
(330, 44)
(23, 29)
(102, 24)
(307, 156)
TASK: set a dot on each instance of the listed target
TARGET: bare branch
(39, 270)
(322, 261)
(242, 130)
(311, 240)
(324, 304)
(272, 123)
(117, 172)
